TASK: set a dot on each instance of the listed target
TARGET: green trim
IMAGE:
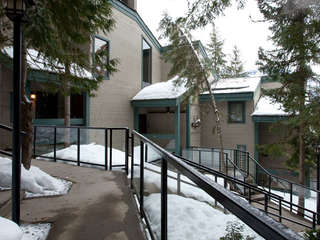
(136, 17)
(268, 119)
(243, 103)
(228, 97)
(256, 141)
(188, 124)
(58, 121)
(136, 119)
(155, 103)
(177, 129)
(42, 76)
(107, 76)
(160, 136)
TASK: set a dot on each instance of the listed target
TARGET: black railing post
(280, 210)
(227, 166)
(291, 197)
(141, 175)
(106, 149)
(270, 180)
(266, 203)
(248, 165)
(164, 200)
(200, 157)
(110, 150)
(132, 159)
(314, 221)
(34, 140)
(127, 151)
(55, 143)
(146, 153)
(249, 195)
(78, 149)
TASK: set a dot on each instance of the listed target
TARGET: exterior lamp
(33, 96)
(15, 11)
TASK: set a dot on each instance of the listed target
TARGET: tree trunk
(218, 127)
(67, 107)
(26, 113)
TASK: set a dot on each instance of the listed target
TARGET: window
(101, 56)
(146, 63)
(236, 112)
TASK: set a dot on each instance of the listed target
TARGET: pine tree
(235, 66)
(60, 31)
(295, 27)
(216, 54)
(193, 71)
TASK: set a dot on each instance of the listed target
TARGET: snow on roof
(235, 85)
(39, 63)
(265, 107)
(161, 90)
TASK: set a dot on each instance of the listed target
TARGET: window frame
(144, 83)
(107, 76)
(243, 103)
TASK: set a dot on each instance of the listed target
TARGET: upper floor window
(146, 63)
(236, 112)
(101, 56)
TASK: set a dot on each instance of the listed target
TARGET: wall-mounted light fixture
(33, 96)
(196, 122)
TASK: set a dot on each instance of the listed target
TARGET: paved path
(99, 206)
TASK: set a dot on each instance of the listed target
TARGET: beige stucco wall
(5, 89)
(233, 133)
(111, 106)
(163, 123)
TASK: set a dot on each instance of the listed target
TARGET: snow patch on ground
(34, 181)
(189, 219)
(9, 230)
(35, 231)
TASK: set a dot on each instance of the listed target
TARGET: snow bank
(9, 230)
(189, 219)
(265, 107)
(35, 231)
(161, 90)
(34, 181)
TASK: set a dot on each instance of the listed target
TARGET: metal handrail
(261, 223)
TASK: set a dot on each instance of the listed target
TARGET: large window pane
(146, 62)
(236, 112)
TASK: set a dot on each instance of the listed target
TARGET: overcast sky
(236, 27)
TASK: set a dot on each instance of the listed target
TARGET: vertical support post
(280, 210)
(291, 192)
(127, 151)
(78, 148)
(178, 183)
(132, 160)
(34, 140)
(249, 195)
(55, 144)
(146, 153)
(177, 129)
(141, 175)
(106, 149)
(270, 180)
(136, 119)
(318, 184)
(265, 203)
(188, 124)
(200, 160)
(16, 139)
(248, 164)
(164, 200)
(256, 143)
(110, 149)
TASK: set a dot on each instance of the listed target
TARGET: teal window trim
(107, 76)
(221, 97)
(145, 83)
(243, 107)
(268, 119)
(58, 121)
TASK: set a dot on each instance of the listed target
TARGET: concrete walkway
(98, 206)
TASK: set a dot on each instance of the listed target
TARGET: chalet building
(141, 97)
